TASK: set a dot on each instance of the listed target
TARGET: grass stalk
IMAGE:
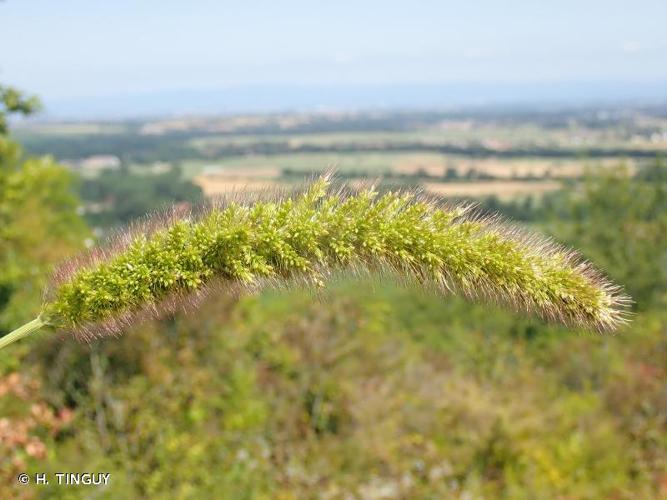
(22, 331)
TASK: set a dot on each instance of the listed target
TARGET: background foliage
(371, 390)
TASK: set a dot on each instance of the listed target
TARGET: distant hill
(293, 97)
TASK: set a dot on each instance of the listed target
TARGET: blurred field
(485, 177)
(501, 189)
(214, 186)
(219, 184)
(223, 154)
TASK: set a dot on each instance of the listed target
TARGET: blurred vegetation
(13, 101)
(636, 251)
(122, 196)
(39, 224)
(371, 390)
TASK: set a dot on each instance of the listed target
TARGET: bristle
(326, 229)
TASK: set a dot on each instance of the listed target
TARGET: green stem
(22, 331)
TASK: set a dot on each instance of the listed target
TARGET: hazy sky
(61, 48)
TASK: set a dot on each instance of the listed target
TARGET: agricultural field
(503, 154)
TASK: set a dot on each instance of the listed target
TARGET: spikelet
(171, 261)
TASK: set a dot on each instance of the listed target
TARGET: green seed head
(162, 265)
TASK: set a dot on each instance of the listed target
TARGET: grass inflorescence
(171, 261)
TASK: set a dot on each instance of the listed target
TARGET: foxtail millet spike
(172, 261)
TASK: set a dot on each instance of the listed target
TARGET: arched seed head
(172, 261)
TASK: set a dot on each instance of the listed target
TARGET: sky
(77, 48)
